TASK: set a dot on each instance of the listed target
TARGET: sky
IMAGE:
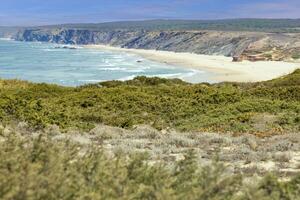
(44, 12)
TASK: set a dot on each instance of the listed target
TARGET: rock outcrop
(253, 46)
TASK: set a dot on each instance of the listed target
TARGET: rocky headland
(253, 46)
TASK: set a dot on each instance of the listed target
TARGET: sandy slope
(223, 67)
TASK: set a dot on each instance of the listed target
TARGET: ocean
(59, 64)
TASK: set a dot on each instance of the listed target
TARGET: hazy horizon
(145, 20)
(37, 13)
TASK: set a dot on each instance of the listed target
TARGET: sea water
(53, 63)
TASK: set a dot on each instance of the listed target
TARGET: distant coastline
(220, 68)
(223, 67)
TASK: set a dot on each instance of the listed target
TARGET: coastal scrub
(263, 108)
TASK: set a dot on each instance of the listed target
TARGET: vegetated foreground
(263, 109)
(248, 155)
(93, 161)
(50, 165)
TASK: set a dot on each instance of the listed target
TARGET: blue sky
(40, 12)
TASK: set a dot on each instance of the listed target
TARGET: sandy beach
(222, 67)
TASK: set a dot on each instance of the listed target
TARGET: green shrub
(158, 102)
(296, 56)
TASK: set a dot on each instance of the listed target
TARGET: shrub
(42, 168)
(162, 103)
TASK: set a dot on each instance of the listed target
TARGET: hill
(262, 109)
(261, 25)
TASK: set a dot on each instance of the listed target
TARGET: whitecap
(135, 70)
(191, 73)
(6, 39)
(92, 80)
(112, 69)
(126, 78)
(49, 50)
(166, 75)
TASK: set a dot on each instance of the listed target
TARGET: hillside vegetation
(266, 108)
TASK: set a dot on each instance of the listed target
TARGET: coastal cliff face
(251, 46)
(9, 32)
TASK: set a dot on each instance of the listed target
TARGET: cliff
(9, 32)
(251, 46)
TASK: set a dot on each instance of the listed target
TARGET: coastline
(222, 68)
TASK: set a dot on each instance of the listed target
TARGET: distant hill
(261, 25)
(255, 25)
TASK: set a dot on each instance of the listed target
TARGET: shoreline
(222, 68)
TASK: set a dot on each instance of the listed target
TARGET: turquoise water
(45, 62)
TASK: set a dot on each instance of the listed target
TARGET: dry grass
(241, 154)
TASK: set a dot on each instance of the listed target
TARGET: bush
(42, 168)
(162, 103)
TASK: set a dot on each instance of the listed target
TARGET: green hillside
(265, 108)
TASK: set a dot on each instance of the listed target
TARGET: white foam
(166, 75)
(49, 50)
(126, 78)
(112, 69)
(92, 80)
(191, 73)
(6, 39)
(121, 69)
(136, 70)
